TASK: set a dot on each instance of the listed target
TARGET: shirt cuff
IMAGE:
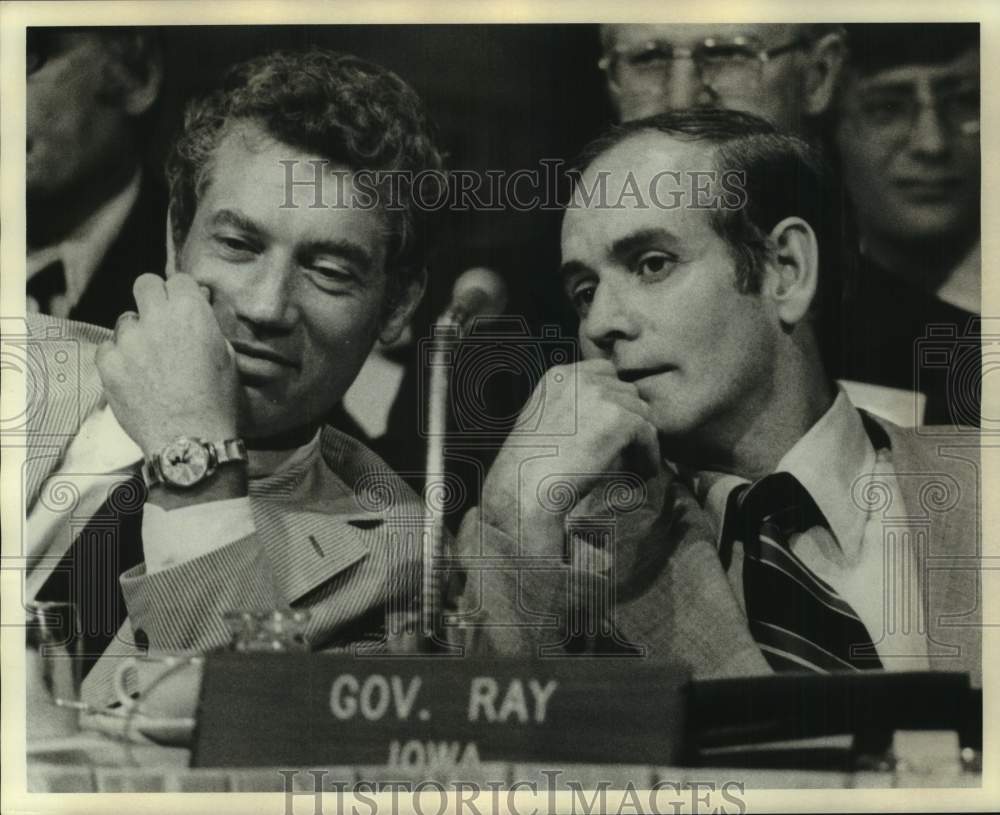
(172, 537)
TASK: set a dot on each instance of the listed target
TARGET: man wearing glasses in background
(906, 127)
(783, 73)
(907, 136)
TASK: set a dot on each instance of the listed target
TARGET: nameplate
(314, 710)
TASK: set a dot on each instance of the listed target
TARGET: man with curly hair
(217, 385)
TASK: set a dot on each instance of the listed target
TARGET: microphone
(476, 292)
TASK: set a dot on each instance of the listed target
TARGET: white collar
(82, 251)
(827, 461)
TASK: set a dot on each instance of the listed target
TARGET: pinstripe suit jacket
(669, 598)
(338, 536)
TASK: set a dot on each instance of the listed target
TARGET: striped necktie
(798, 620)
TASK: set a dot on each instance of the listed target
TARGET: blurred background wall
(503, 97)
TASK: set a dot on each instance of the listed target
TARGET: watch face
(184, 462)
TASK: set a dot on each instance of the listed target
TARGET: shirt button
(141, 639)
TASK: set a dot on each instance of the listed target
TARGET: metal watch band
(229, 450)
(151, 475)
(220, 452)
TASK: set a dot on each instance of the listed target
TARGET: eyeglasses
(726, 67)
(892, 112)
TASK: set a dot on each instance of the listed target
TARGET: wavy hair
(335, 105)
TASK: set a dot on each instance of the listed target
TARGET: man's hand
(169, 371)
(594, 421)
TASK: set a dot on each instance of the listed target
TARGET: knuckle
(557, 373)
(621, 416)
(604, 417)
(636, 424)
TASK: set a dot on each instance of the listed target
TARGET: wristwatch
(188, 461)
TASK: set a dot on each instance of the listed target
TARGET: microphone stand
(447, 329)
(477, 291)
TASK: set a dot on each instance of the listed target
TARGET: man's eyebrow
(571, 268)
(904, 86)
(622, 249)
(955, 81)
(347, 249)
(629, 244)
(237, 220)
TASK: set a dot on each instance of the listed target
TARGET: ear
(792, 276)
(826, 59)
(399, 317)
(607, 35)
(142, 82)
(615, 95)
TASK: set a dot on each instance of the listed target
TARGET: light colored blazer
(672, 599)
(339, 538)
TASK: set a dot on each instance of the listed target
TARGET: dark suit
(674, 601)
(139, 247)
(896, 335)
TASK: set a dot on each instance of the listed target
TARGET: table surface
(95, 762)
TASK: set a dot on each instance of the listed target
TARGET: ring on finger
(123, 318)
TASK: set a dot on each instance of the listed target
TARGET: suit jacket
(339, 537)
(924, 345)
(139, 248)
(667, 596)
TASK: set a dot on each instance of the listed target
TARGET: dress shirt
(100, 456)
(82, 251)
(374, 391)
(878, 575)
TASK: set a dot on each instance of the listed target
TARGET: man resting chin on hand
(201, 442)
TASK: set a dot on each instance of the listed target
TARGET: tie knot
(798, 619)
(778, 502)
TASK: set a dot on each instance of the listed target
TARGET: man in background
(785, 73)
(96, 219)
(907, 138)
